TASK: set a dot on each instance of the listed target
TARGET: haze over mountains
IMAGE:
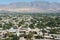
(35, 6)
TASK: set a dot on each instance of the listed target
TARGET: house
(1, 29)
(25, 30)
(12, 30)
(22, 38)
(57, 36)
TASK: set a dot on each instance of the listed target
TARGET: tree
(30, 35)
(0, 39)
(7, 25)
(51, 24)
(8, 38)
(57, 20)
(0, 18)
(53, 31)
(43, 32)
(31, 26)
(8, 34)
(15, 37)
(0, 25)
(20, 23)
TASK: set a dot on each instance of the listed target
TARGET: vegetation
(31, 20)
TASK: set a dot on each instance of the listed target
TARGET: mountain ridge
(35, 6)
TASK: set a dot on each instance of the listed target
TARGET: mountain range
(35, 6)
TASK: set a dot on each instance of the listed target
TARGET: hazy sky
(11, 1)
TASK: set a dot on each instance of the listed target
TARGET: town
(29, 27)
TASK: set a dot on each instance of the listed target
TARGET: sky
(11, 1)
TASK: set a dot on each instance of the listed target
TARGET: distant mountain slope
(35, 6)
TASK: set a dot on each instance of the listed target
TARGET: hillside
(35, 6)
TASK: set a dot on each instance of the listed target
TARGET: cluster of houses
(26, 30)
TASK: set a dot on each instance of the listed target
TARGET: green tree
(30, 35)
(15, 37)
(8, 38)
(7, 25)
(0, 39)
(0, 25)
(20, 23)
(31, 26)
(0, 18)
